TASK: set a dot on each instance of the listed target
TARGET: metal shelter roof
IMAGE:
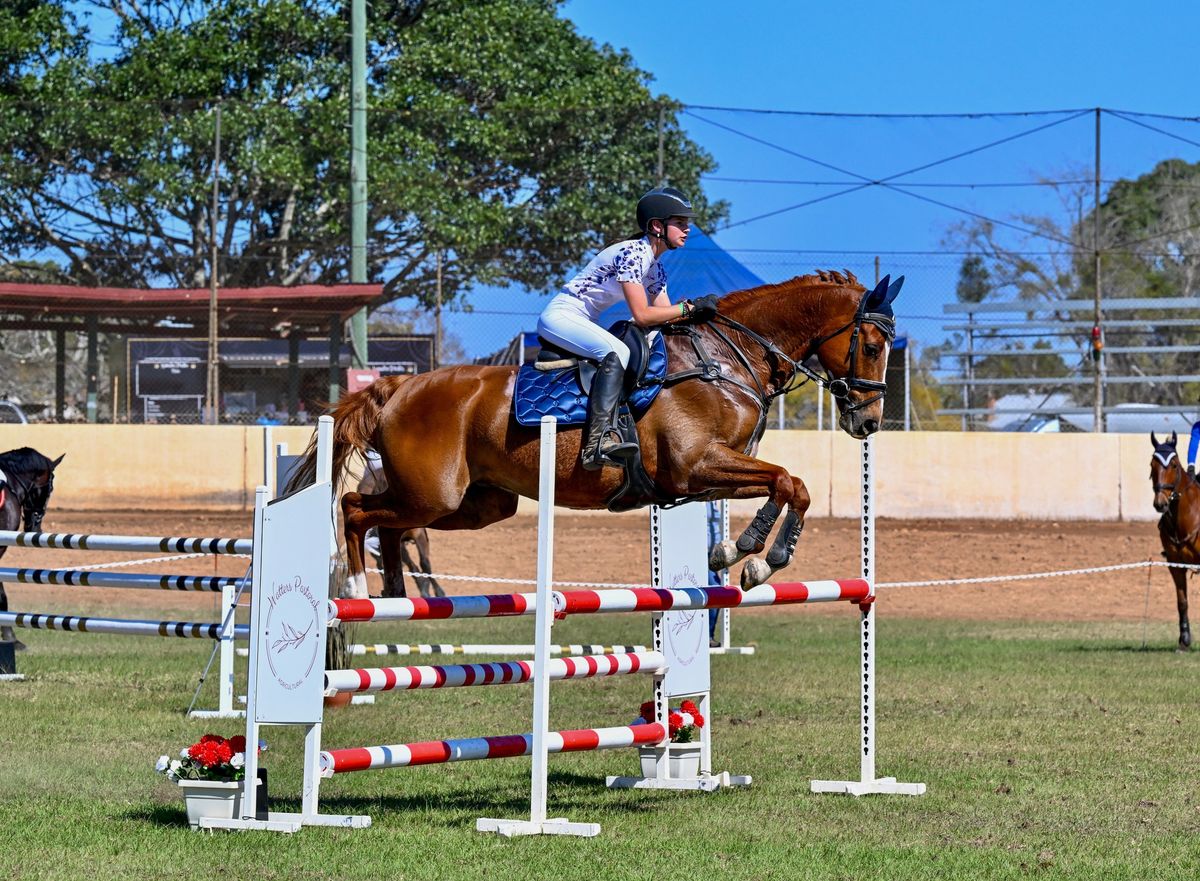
(261, 311)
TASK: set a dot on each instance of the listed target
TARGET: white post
(539, 823)
(868, 783)
(907, 397)
(250, 785)
(544, 621)
(268, 460)
(820, 408)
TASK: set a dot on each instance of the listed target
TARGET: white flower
(183, 753)
(687, 718)
(238, 760)
(162, 764)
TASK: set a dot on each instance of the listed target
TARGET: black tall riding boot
(599, 449)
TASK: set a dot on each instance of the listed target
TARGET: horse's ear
(893, 290)
(1154, 440)
(878, 297)
(1174, 438)
(54, 464)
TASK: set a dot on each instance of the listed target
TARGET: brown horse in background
(455, 457)
(394, 550)
(1177, 499)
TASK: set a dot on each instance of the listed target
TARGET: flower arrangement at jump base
(684, 724)
(683, 750)
(212, 757)
(209, 773)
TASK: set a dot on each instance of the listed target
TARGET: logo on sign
(688, 631)
(290, 636)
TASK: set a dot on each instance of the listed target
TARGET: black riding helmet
(661, 203)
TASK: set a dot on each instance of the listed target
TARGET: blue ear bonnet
(876, 307)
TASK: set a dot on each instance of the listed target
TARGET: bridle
(1165, 460)
(32, 498)
(791, 373)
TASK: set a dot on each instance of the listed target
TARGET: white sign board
(291, 597)
(683, 563)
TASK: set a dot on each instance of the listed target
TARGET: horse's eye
(871, 351)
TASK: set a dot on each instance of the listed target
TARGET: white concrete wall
(920, 474)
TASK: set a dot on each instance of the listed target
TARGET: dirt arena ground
(615, 548)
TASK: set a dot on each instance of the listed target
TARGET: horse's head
(1166, 472)
(853, 344)
(37, 491)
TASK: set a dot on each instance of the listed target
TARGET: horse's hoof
(754, 573)
(723, 555)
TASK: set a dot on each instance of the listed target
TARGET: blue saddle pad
(557, 393)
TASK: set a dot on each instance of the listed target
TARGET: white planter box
(683, 760)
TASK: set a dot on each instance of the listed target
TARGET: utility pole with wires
(212, 386)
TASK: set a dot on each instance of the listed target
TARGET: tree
(1149, 240)
(498, 135)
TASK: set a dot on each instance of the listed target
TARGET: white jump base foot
(361, 699)
(554, 826)
(217, 714)
(287, 823)
(12, 677)
(878, 786)
(707, 783)
(732, 650)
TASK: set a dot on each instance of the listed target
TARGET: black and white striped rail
(134, 543)
(86, 624)
(143, 580)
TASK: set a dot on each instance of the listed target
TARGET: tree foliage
(497, 134)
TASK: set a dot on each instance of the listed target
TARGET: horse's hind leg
(1181, 600)
(395, 559)
(359, 514)
(429, 585)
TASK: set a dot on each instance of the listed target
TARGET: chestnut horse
(455, 457)
(1177, 499)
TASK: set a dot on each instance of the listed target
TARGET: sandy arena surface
(615, 549)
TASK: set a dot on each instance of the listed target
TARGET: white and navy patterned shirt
(598, 286)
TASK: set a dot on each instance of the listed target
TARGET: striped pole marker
(436, 752)
(497, 673)
(133, 543)
(660, 600)
(83, 624)
(574, 649)
(433, 608)
(84, 578)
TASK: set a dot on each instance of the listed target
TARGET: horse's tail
(355, 419)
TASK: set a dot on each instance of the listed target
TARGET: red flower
(647, 711)
(674, 723)
(698, 719)
(237, 743)
(690, 707)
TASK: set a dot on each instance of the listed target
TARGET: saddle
(558, 384)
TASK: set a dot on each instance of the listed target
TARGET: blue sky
(892, 58)
(875, 57)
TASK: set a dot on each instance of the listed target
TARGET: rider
(628, 269)
(1193, 443)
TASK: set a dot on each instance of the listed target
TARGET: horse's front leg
(1181, 601)
(7, 634)
(745, 477)
(394, 558)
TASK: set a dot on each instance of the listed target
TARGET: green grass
(1049, 751)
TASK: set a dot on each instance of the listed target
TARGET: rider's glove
(700, 309)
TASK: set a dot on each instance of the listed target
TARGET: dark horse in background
(1177, 499)
(395, 555)
(455, 457)
(25, 488)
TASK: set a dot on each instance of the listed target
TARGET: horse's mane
(821, 278)
(23, 460)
